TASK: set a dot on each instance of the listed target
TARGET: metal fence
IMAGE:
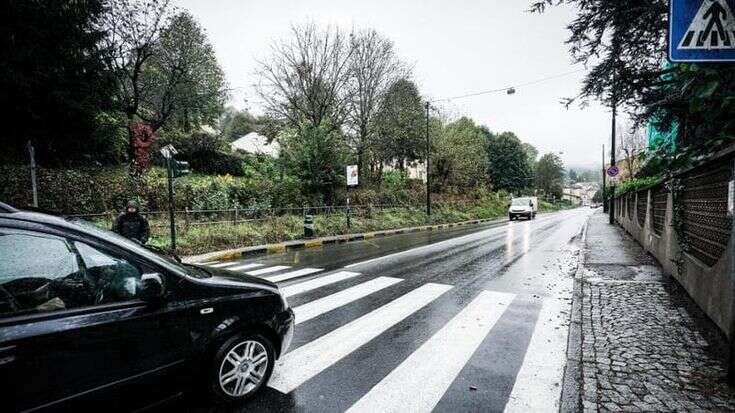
(188, 218)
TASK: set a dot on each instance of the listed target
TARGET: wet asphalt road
(466, 319)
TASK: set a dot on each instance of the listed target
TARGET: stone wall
(705, 270)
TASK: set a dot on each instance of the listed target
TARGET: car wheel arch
(237, 329)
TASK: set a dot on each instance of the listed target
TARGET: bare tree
(631, 144)
(165, 69)
(306, 79)
(374, 68)
(132, 30)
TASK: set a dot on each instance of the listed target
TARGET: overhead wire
(512, 87)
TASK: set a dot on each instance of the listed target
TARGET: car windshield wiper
(199, 268)
(162, 251)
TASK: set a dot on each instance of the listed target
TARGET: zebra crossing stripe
(538, 383)
(305, 286)
(268, 270)
(420, 381)
(316, 308)
(224, 264)
(307, 361)
(245, 267)
(293, 274)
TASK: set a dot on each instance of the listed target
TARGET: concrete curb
(317, 242)
(571, 394)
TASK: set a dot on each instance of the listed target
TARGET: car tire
(237, 370)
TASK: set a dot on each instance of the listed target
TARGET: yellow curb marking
(273, 248)
(313, 244)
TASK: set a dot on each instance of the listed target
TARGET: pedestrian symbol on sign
(713, 27)
(702, 31)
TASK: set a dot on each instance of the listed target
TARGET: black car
(91, 319)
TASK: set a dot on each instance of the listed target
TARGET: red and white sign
(351, 175)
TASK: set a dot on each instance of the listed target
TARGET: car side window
(38, 273)
(113, 279)
(42, 273)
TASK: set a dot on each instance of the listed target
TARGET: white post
(32, 154)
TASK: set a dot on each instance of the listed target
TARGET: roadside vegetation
(207, 238)
(148, 77)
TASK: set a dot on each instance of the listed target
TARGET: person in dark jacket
(131, 224)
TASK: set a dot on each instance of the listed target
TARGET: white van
(523, 207)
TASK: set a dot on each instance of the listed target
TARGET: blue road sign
(701, 31)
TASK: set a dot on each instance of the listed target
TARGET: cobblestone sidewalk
(645, 346)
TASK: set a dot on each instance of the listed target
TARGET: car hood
(222, 277)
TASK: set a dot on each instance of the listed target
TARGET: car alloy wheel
(243, 368)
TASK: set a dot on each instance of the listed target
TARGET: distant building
(580, 193)
(414, 170)
(256, 144)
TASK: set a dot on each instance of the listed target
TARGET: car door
(74, 330)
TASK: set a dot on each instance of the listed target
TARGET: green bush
(95, 190)
(636, 184)
(214, 162)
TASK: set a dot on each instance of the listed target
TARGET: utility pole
(428, 164)
(604, 180)
(614, 104)
(34, 185)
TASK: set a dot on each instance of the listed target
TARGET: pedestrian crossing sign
(701, 31)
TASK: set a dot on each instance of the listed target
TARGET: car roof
(39, 217)
(60, 222)
(6, 208)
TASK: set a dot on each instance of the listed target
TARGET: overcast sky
(456, 47)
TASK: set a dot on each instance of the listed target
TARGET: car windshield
(520, 202)
(191, 270)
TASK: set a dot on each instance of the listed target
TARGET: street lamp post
(428, 164)
(611, 207)
(604, 179)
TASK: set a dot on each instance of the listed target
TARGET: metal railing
(187, 218)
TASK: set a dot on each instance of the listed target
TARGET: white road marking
(268, 270)
(245, 267)
(539, 380)
(293, 274)
(420, 381)
(224, 264)
(318, 307)
(206, 262)
(305, 286)
(305, 362)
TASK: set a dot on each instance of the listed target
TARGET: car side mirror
(152, 285)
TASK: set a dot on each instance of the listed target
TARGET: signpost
(701, 31)
(174, 169)
(352, 180)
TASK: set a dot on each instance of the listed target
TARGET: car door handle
(7, 355)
